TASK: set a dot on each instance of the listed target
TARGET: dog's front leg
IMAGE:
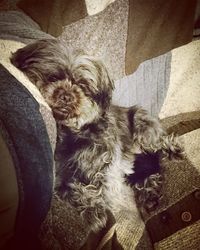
(88, 201)
(149, 135)
(154, 144)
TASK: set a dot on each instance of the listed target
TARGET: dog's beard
(70, 106)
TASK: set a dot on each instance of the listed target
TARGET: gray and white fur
(97, 142)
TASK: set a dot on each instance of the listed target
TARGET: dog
(102, 150)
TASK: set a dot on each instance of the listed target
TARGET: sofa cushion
(25, 133)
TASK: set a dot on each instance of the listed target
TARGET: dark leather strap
(178, 216)
(182, 123)
(187, 210)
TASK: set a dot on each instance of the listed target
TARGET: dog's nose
(68, 98)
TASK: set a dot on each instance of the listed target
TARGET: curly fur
(97, 142)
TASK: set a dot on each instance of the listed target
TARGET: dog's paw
(148, 193)
(172, 148)
(95, 217)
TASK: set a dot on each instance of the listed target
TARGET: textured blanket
(125, 34)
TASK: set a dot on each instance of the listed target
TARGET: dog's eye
(52, 78)
(62, 97)
(59, 74)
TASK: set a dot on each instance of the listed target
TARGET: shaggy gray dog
(98, 143)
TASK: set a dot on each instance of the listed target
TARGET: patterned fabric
(180, 113)
(125, 34)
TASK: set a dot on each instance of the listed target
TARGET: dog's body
(92, 164)
(97, 142)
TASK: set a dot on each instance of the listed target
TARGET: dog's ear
(105, 85)
(42, 61)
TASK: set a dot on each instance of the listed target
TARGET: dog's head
(77, 87)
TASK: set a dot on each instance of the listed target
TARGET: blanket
(125, 34)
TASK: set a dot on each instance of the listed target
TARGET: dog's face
(70, 106)
(77, 87)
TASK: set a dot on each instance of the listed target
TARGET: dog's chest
(117, 192)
